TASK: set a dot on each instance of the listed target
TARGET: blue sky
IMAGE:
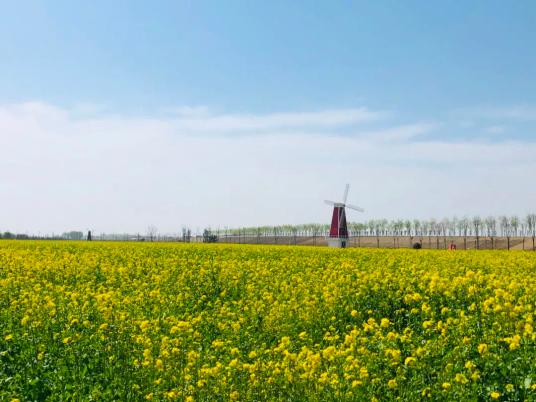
(389, 77)
(420, 58)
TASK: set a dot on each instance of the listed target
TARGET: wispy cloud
(62, 170)
(495, 129)
(512, 113)
(403, 132)
(193, 120)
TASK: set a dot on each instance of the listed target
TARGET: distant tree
(73, 235)
(514, 223)
(491, 229)
(407, 227)
(490, 224)
(504, 226)
(186, 235)
(8, 235)
(209, 237)
(444, 226)
(371, 226)
(531, 227)
(433, 226)
(152, 231)
(417, 227)
(463, 226)
(477, 225)
(383, 226)
(453, 225)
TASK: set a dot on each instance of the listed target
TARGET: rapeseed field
(162, 322)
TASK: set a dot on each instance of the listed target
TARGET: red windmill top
(339, 228)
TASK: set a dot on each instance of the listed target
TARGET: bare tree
(491, 228)
(504, 226)
(152, 231)
(514, 223)
(531, 227)
(453, 225)
(417, 227)
(477, 225)
(463, 226)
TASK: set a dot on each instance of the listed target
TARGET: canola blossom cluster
(162, 322)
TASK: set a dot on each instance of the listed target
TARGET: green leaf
(527, 382)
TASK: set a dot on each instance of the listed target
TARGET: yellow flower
(329, 353)
(233, 363)
(427, 392)
(495, 395)
(354, 313)
(144, 325)
(427, 324)
(514, 342)
(445, 386)
(409, 360)
(482, 348)
(392, 383)
(385, 323)
(462, 379)
(171, 395)
(234, 395)
(469, 365)
(8, 337)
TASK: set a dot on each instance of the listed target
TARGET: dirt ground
(432, 242)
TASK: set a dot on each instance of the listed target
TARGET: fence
(371, 241)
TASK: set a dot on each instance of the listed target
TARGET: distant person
(89, 235)
(452, 246)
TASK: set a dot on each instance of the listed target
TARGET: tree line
(502, 226)
(476, 226)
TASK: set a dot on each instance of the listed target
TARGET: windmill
(338, 233)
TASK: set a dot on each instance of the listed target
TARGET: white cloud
(401, 133)
(495, 129)
(60, 170)
(513, 112)
(190, 120)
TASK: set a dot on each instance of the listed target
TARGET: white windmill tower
(338, 233)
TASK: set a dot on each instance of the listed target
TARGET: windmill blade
(345, 194)
(355, 208)
(330, 202)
